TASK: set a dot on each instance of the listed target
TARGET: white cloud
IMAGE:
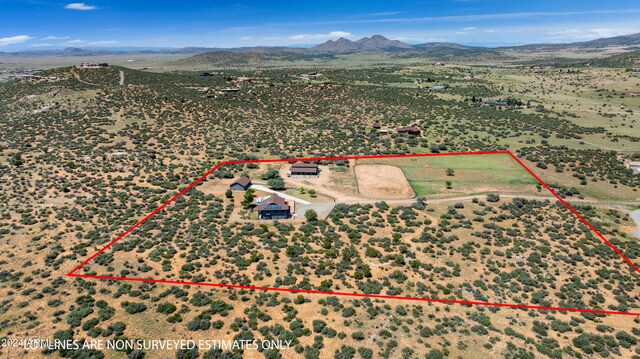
(245, 38)
(330, 36)
(418, 39)
(4, 41)
(386, 13)
(89, 43)
(563, 32)
(490, 30)
(562, 35)
(468, 30)
(458, 18)
(48, 38)
(102, 42)
(74, 42)
(79, 6)
(41, 45)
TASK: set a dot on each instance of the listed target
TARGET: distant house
(410, 130)
(229, 89)
(498, 104)
(304, 169)
(274, 207)
(437, 88)
(86, 65)
(36, 77)
(633, 166)
(377, 125)
(30, 77)
(244, 79)
(635, 70)
(241, 184)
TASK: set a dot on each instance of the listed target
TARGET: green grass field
(472, 174)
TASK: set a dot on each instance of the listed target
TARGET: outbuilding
(304, 169)
(410, 130)
(498, 104)
(241, 184)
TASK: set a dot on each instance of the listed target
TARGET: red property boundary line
(73, 273)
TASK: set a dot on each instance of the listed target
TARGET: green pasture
(472, 174)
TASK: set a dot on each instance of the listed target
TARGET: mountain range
(344, 46)
(373, 43)
(632, 41)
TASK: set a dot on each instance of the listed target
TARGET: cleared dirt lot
(382, 182)
(337, 185)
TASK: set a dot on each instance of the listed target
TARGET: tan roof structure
(304, 168)
(244, 181)
(409, 129)
(304, 165)
(274, 202)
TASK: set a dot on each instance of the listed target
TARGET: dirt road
(635, 216)
(481, 196)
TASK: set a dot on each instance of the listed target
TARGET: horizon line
(46, 48)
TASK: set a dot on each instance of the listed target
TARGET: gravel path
(262, 188)
(635, 216)
(322, 209)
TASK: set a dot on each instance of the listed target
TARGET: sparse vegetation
(82, 166)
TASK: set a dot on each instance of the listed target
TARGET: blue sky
(39, 25)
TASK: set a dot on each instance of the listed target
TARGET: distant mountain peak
(376, 38)
(373, 43)
(379, 42)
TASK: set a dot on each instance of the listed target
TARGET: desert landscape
(323, 193)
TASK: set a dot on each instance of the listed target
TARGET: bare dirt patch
(336, 185)
(382, 182)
